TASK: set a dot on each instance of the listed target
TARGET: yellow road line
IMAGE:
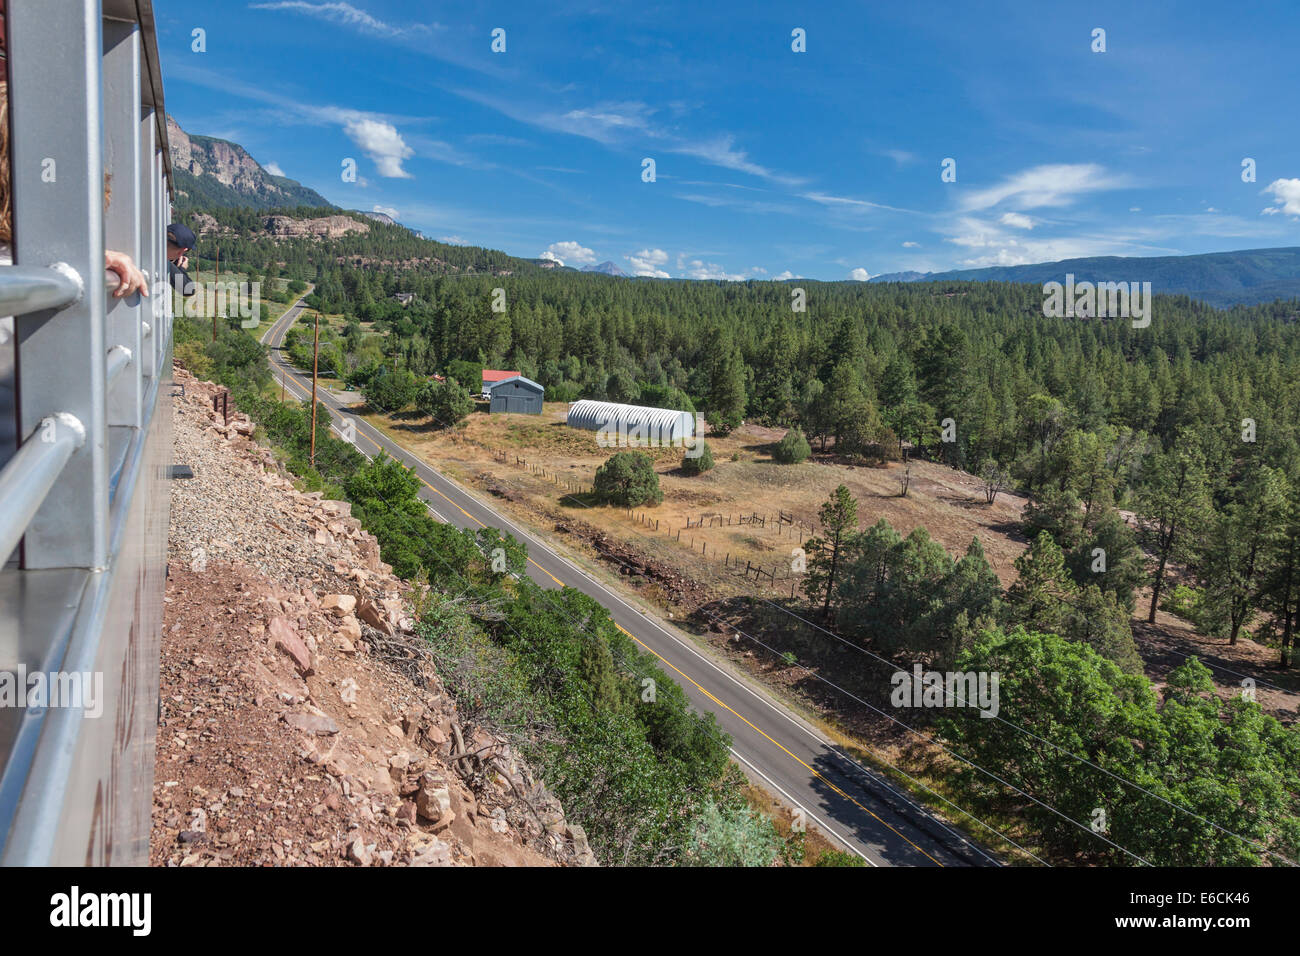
(810, 769)
(816, 773)
(436, 491)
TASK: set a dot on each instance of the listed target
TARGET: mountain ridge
(1237, 277)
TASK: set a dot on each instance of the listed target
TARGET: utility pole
(214, 295)
(315, 361)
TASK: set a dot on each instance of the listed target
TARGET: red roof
(493, 375)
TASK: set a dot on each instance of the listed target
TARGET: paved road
(782, 752)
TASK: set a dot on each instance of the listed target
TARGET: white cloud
(1016, 220)
(900, 156)
(699, 269)
(991, 245)
(859, 275)
(1051, 185)
(453, 240)
(388, 211)
(382, 143)
(846, 202)
(911, 245)
(649, 262)
(273, 168)
(571, 252)
(1286, 192)
(721, 151)
(787, 274)
(346, 14)
(602, 123)
(1134, 208)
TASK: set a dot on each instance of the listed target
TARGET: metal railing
(81, 502)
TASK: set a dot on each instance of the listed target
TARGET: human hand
(131, 279)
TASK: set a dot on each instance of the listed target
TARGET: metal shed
(632, 424)
(517, 395)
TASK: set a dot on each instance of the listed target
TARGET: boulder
(340, 605)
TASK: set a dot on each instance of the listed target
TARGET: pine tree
(839, 518)
(1039, 599)
(727, 390)
(1172, 507)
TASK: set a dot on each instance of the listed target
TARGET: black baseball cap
(181, 234)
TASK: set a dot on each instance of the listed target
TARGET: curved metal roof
(662, 424)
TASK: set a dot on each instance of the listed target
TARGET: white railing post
(58, 196)
(149, 257)
(122, 220)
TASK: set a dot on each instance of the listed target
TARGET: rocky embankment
(302, 722)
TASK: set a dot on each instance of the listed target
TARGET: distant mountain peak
(607, 268)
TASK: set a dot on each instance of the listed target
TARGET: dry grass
(746, 480)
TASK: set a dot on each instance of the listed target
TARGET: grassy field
(745, 482)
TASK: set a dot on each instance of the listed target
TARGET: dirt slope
(301, 722)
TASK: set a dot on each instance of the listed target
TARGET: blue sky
(769, 163)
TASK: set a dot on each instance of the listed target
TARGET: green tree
(1280, 591)
(792, 448)
(446, 403)
(698, 464)
(1240, 541)
(839, 518)
(727, 390)
(628, 478)
(391, 390)
(1040, 597)
(1172, 507)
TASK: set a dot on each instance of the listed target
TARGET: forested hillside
(244, 240)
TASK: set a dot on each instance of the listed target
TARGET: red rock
(284, 636)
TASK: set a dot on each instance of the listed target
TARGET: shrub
(793, 448)
(628, 479)
(445, 402)
(839, 858)
(733, 836)
(390, 390)
(698, 464)
(195, 359)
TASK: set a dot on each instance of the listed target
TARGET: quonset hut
(632, 424)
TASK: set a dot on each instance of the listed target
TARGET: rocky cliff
(214, 172)
(302, 721)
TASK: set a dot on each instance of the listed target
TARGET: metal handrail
(119, 357)
(28, 477)
(26, 289)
